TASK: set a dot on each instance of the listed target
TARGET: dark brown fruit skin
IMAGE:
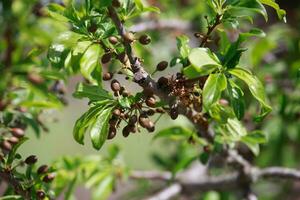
(126, 131)
(40, 194)
(206, 149)
(113, 121)
(174, 111)
(150, 112)
(106, 58)
(48, 178)
(43, 169)
(148, 92)
(30, 160)
(150, 101)
(107, 76)
(129, 37)
(122, 57)
(6, 145)
(162, 66)
(150, 126)
(133, 119)
(115, 85)
(159, 110)
(17, 132)
(113, 40)
(13, 140)
(112, 133)
(116, 3)
(163, 82)
(145, 39)
(197, 106)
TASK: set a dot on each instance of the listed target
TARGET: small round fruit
(151, 101)
(112, 133)
(133, 119)
(113, 40)
(17, 132)
(48, 178)
(163, 82)
(30, 160)
(117, 112)
(115, 85)
(150, 112)
(6, 145)
(106, 58)
(43, 169)
(107, 76)
(13, 140)
(162, 66)
(150, 126)
(129, 37)
(122, 57)
(126, 131)
(145, 39)
(40, 194)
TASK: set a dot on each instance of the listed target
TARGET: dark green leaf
(94, 93)
(237, 100)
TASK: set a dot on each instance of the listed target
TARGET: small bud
(162, 66)
(129, 37)
(48, 178)
(113, 40)
(115, 85)
(159, 110)
(107, 76)
(40, 194)
(30, 160)
(150, 126)
(17, 132)
(145, 39)
(174, 111)
(106, 58)
(43, 169)
(112, 133)
(150, 101)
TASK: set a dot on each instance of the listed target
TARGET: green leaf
(56, 11)
(139, 4)
(13, 152)
(99, 129)
(94, 93)
(174, 133)
(203, 62)
(90, 61)
(280, 12)
(256, 88)
(82, 124)
(104, 189)
(11, 197)
(213, 88)
(183, 46)
(236, 99)
(253, 140)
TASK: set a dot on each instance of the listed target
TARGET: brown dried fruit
(13, 140)
(162, 66)
(163, 82)
(43, 169)
(6, 145)
(30, 160)
(40, 194)
(122, 57)
(117, 112)
(112, 133)
(150, 112)
(160, 110)
(115, 85)
(129, 37)
(48, 178)
(145, 39)
(106, 58)
(116, 3)
(126, 131)
(113, 40)
(17, 132)
(151, 101)
(150, 126)
(133, 119)
(174, 111)
(107, 76)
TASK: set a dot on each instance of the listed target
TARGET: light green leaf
(256, 88)
(174, 133)
(11, 197)
(99, 129)
(56, 11)
(183, 46)
(202, 61)
(236, 99)
(139, 4)
(82, 124)
(280, 12)
(104, 189)
(213, 88)
(90, 61)
(94, 93)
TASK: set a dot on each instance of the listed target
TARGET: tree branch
(167, 193)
